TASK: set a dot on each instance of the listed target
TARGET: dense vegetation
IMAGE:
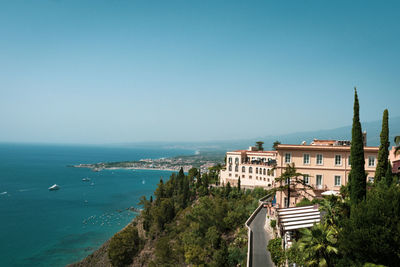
(191, 223)
(124, 246)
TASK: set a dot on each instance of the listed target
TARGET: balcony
(319, 187)
(259, 162)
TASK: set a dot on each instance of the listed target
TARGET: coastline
(141, 168)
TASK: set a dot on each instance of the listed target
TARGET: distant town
(201, 160)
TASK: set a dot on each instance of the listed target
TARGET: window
(348, 161)
(243, 169)
(256, 170)
(250, 170)
(371, 179)
(236, 168)
(243, 176)
(250, 177)
(338, 181)
(230, 160)
(306, 159)
(288, 158)
(268, 172)
(371, 161)
(264, 171)
(319, 179)
(236, 160)
(306, 178)
(338, 160)
(319, 159)
(230, 174)
(230, 167)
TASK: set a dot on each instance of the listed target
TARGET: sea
(39, 227)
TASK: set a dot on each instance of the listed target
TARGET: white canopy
(330, 192)
(298, 217)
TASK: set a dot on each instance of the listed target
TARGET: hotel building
(253, 167)
(395, 160)
(325, 164)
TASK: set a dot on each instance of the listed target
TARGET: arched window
(264, 172)
(268, 172)
(230, 160)
(243, 169)
(236, 160)
(250, 169)
(257, 170)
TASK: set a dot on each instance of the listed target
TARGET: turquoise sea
(39, 227)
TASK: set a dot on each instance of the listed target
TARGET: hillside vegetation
(187, 223)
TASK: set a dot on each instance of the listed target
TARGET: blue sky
(130, 71)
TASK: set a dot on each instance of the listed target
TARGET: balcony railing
(261, 163)
(319, 187)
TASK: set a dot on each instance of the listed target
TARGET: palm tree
(318, 245)
(397, 142)
(334, 209)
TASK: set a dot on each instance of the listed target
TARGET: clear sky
(128, 71)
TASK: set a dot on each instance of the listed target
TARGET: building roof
(323, 147)
(298, 217)
(253, 152)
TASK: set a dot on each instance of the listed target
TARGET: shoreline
(136, 168)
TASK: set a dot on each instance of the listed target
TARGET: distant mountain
(343, 133)
(373, 130)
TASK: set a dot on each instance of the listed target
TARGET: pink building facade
(395, 160)
(325, 164)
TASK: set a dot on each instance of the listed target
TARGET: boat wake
(26, 190)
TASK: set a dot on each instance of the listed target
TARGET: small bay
(39, 227)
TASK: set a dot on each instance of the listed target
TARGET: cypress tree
(238, 186)
(389, 175)
(383, 153)
(358, 181)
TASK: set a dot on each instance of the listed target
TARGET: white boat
(54, 187)
(86, 179)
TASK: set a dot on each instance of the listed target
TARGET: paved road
(261, 257)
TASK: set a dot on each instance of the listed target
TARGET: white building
(255, 168)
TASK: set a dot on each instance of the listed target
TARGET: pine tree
(358, 181)
(383, 153)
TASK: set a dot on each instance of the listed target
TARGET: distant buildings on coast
(325, 165)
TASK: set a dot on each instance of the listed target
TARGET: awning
(298, 217)
(330, 192)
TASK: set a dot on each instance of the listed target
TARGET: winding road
(261, 257)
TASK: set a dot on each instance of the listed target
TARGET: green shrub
(304, 202)
(276, 250)
(273, 223)
(124, 246)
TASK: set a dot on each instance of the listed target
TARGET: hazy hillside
(343, 133)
